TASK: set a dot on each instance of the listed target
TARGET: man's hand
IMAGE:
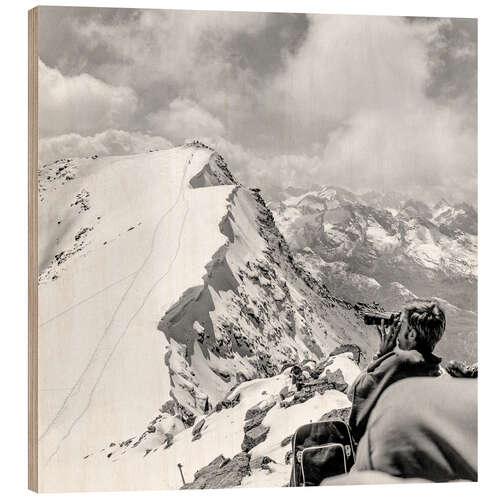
(388, 336)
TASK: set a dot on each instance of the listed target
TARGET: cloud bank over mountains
(362, 102)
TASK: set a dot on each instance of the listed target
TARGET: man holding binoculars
(407, 340)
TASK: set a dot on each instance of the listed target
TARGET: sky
(362, 102)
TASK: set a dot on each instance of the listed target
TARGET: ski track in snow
(77, 385)
(70, 308)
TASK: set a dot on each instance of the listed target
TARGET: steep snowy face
(163, 283)
(256, 310)
(121, 238)
(386, 249)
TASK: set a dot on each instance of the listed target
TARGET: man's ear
(412, 335)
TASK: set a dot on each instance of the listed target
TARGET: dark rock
(255, 410)
(168, 407)
(169, 439)
(187, 416)
(197, 428)
(254, 422)
(218, 461)
(299, 397)
(286, 365)
(338, 414)
(285, 392)
(221, 473)
(288, 456)
(261, 462)
(353, 348)
(151, 429)
(254, 437)
(287, 440)
(337, 379)
(460, 369)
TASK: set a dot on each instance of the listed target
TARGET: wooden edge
(33, 249)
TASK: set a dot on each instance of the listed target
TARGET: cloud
(109, 142)
(212, 58)
(169, 41)
(360, 86)
(424, 152)
(348, 63)
(365, 102)
(81, 104)
(184, 119)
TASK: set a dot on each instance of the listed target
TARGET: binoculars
(376, 318)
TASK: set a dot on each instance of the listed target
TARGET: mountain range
(387, 249)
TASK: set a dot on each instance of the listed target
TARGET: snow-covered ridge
(256, 310)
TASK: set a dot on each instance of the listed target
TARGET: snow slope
(100, 350)
(222, 433)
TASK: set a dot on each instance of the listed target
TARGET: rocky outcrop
(332, 381)
(459, 369)
(197, 429)
(253, 422)
(260, 409)
(352, 348)
(221, 473)
(255, 432)
(254, 436)
(338, 414)
(228, 403)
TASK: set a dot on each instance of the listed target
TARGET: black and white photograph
(254, 249)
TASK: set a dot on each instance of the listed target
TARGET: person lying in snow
(405, 351)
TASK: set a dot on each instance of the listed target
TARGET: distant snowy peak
(459, 217)
(363, 250)
(378, 242)
(441, 205)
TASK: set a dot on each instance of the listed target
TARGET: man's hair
(428, 320)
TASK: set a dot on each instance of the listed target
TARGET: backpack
(321, 450)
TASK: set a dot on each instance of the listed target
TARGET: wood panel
(33, 250)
